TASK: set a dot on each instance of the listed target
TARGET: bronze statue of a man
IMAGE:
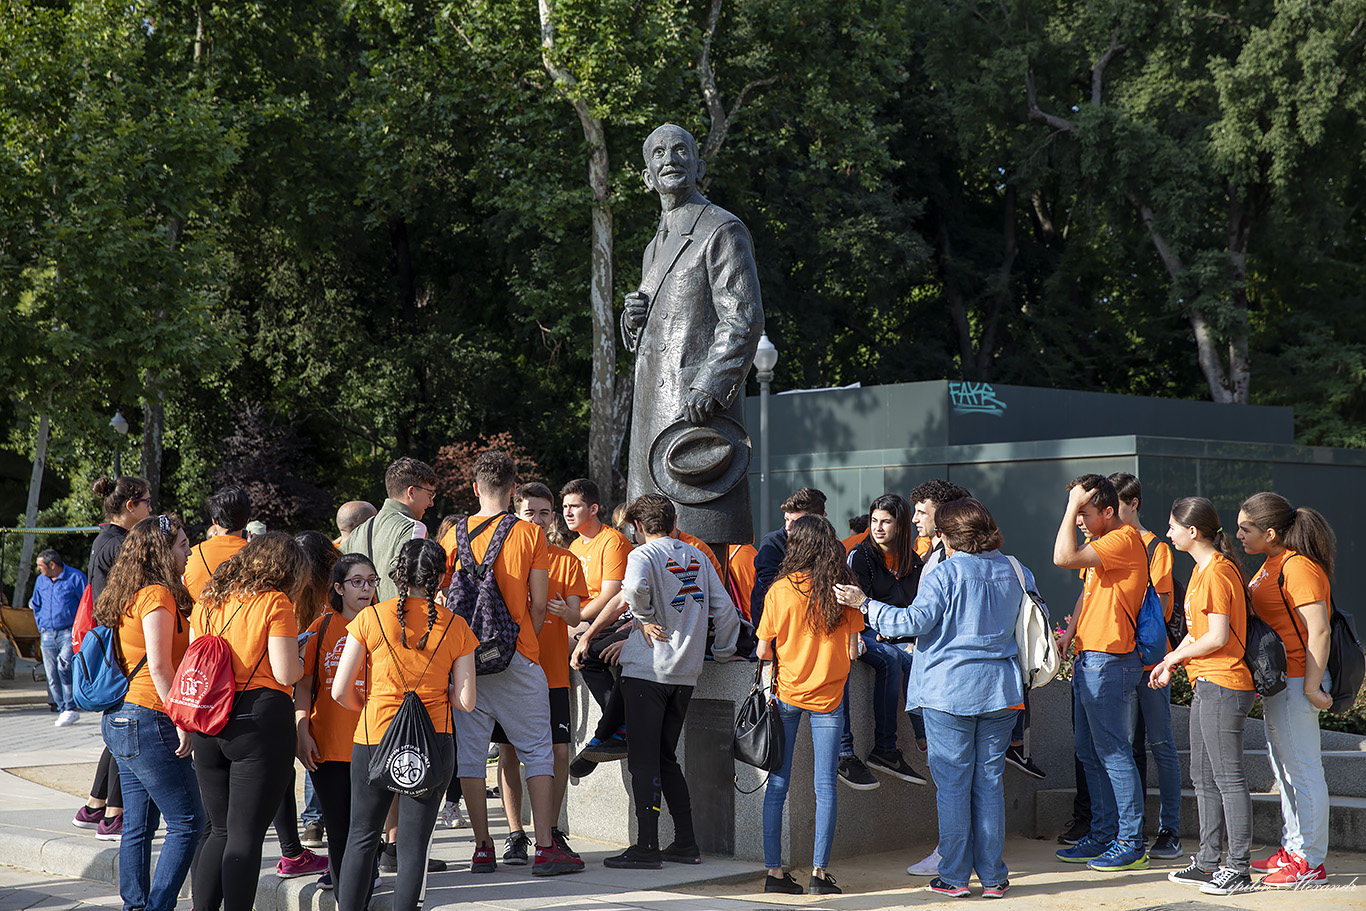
(694, 324)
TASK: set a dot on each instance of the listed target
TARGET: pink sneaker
(87, 818)
(305, 864)
(109, 828)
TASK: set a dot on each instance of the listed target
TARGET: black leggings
(416, 822)
(654, 722)
(107, 785)
(243, 771)
(599, 676)
(332, 784)
(287, 821)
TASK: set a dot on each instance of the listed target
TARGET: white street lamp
(120, 425)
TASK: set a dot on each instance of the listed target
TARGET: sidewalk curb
(71, 856)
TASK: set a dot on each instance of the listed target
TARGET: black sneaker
(435, 866)
(388, 857)
(635, 858)
(558, 837)
(1191, 876)
(514, 849)
(613, 749)
(826, 886)
(894, 763)
(856, 775)
(786, 884)
(681, 854)
(1227, 881)
(1166, 846)
(1017, 759)
(1079, 829)
(312, 835)
(581, 768)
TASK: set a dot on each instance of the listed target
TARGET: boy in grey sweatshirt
(672, 590)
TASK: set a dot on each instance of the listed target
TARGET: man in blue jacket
(56, 596)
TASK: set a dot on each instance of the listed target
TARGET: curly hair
(144, 559)
(322, 555)
(814, 550)
(421, 563)
(272, 562)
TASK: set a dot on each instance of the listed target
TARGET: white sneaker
(927, 867)
(67, 718)
(450, 816)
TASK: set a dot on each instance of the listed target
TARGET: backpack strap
(1294, 624)
(394, 655)
(463, 536)
(1019, 572)
(318, 659)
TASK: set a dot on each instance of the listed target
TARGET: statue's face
(671, 162)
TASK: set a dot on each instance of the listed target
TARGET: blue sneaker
(1120, 856)
(1084, 850)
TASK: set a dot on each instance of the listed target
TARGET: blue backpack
(97, 676)
(1150, 632)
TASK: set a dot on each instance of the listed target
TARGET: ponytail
(1303, 530)
(421, 562)
(400, 575)
(1199, 513)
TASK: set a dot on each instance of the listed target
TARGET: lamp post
(120, 425)
(765, 359)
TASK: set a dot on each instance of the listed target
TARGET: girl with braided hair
(405, 643)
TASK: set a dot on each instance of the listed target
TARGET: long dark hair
(114, 495)
(902, 545)
(143, 560)
(340, 569)
(1302, 529)
(421, 563)
(813, 548)
(1200, 514)
(322, 555)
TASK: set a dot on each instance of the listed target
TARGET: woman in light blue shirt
(966, 679)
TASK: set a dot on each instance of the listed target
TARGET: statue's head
(672, 165)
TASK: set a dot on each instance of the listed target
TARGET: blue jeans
(825, 732)
(1156, 706)
(153, 778)
(1103, 715)
(968, 760)
(56, 646)
(890, 664)
(313, 810)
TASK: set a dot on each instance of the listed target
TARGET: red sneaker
(554, 860)
(1294, 873)
(305, 864)
(484, 861)
(1274, 862)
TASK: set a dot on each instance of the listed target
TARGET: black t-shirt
(103, 553)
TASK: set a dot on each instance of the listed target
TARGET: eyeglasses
(430, 490)
(359, 582)
(147, 500)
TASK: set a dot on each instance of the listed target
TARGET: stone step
(1346, 819)
(1344, 770)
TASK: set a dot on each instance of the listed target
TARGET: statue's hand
(636, 306)
(698, 406)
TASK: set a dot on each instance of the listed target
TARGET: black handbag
(407, 760)
(758, 737)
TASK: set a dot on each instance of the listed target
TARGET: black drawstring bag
(758, 739)
(406, 760)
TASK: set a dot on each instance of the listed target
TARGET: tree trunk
(35, 486)
(411, 434)
(608, 411)
(153, 429)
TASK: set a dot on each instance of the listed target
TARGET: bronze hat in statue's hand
(693, 464)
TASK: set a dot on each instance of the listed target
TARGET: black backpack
(407, 760)
(1176, 623)
(1346, 662)
(1263, 653)
(475, 596)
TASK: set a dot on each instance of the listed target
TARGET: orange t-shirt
(742, 571)
(1305, 583)
(603, 558)
(1218, 589)
(922, 546)
(566, 579)
(392, 673)
(524, 549)
(247, 624)
(333, 727)
(1114, 593)
(706, 550)
(812, 667)
(133, 642)
(206, 557)
(853, 540)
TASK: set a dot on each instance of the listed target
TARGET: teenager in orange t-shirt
(1293, 593)
(408, 643)
(1153, 728)
(535, 503)
(244, 769)
(146, 604)
(1212, 651)
(813, 639)
(326, 729)
(229, 510)
(1106, 671)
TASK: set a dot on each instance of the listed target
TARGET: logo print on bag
(192, 683)
(407, 767)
